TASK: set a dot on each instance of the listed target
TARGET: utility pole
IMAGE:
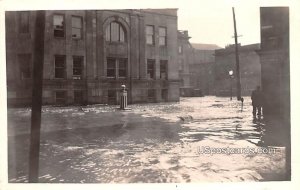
(37, 85)
(238, 76)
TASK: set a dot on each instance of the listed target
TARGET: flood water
(201, 139)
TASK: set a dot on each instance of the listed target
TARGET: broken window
(59, 25)
(76, 27)
(77, 67)
(115, 33)
(150, 35)
(25, 65)
(60, 66)
(150, 68)
(162, 31)
(24, 22)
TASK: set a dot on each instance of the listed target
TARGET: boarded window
(162, 31)
(25, 65)
(150, 68)
(115, 32)
(76, 27)
(58, 25)
(60, 66)
(150, 35)
(24, 22)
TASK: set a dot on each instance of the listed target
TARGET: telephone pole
(37, 90)
(237, 62)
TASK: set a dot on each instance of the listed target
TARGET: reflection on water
(150, 143)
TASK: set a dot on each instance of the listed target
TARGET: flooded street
(201, 139)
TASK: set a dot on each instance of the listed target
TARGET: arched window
(115, 33)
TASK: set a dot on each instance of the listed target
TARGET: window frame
(81, 68)
(160, 36)
(149, 70)
(63, 26)
(81, 27)
(161, 64)
(60, 67)
(150, 35)
(108, 33)
(117, 69)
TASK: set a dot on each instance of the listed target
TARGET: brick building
(250, 69)
(89, 54)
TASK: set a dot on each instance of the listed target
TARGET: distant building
(250, 69)
(89, 54)
(185, 57)
(202, 69)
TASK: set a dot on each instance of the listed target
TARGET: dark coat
(257, 98)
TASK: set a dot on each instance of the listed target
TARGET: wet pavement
(201, 139)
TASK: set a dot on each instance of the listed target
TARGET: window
(151, 95)
(60, 97)
(24, 22)
(58, 25)
(78, 96)
(25, 65)
(77, 67)
(111, 67)
(150, 35)
(111, 97)
(162, 31)
(116, 67)
(163, 69)
(60, 65)
(76, 27)
(115, 33)
(150, 68)
(122, 67)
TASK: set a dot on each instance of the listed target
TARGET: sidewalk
(188, 141)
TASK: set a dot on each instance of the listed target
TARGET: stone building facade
(89, 54)
(250, 70)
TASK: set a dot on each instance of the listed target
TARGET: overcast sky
(213, 23)
(208, 21)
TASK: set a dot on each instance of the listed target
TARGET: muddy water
(205, 139)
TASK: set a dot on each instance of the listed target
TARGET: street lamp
(231, 77)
